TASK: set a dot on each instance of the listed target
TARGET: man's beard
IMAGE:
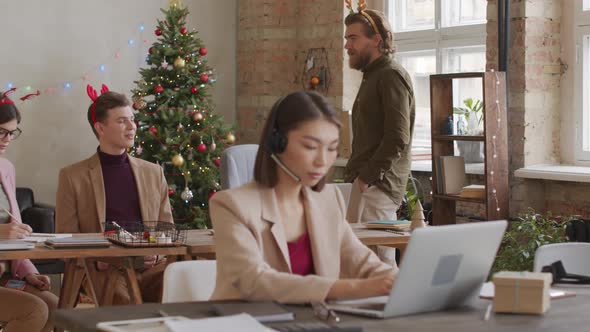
(363, 59)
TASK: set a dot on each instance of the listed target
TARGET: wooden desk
(77, 264)
(569, 314)
(200, 242)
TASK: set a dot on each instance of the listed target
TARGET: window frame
(438, 38)
(581, 78)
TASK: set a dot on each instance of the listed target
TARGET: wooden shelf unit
(494, 138)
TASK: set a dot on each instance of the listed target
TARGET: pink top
(300, 255)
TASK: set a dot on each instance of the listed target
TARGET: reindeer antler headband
(94, 96)
(362, 5)
(4, 100)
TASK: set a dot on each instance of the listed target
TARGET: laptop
(443, 267)
(15, 245)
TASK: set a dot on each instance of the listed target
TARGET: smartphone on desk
(16, 284)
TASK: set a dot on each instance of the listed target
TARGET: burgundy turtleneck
(120, 188)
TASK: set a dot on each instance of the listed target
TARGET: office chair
(189, 281)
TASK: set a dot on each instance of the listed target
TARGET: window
(582, 80)
(438, 36)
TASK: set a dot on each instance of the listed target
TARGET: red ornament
(203, 51)
(153, 130)
(170, 191)
(204, 78)
(183, 30)
(212, 193)
(201, 147)
(159, 89)
(151, 50)
(217, 161)
(194, 89)
(158, 32)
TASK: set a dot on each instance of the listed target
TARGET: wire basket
(145, 234)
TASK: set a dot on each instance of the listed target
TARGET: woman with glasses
(25, 302)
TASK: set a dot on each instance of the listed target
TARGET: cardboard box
(521, 292)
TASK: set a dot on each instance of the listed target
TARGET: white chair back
(189, 281)
(573, 255)
(237, 165)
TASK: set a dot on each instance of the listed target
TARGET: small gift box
(521, 292)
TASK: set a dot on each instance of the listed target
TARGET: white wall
(45, 43)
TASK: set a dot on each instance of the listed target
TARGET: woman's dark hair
(386, 46)
(104, 103)
(9, 112)
(287, 114)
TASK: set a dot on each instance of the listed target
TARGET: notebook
(78, 242)
(264, 312)
(16, 245)
(453, 174)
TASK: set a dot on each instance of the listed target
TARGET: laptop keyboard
(315, 327)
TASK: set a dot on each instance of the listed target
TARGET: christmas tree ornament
(179, 63)
(203, 51)
(186, 194)
(213, 146)
(231, 139)
(315, 81)
(204, 78)
(201, 147)
(164, 64)
(158, 32)
(139, 104)
(180, 127)
(197, 116)
(170, 191)
(158, 89)
(151, 50)
(177, 160)
(183, 30)
(194, 89)
(153, 130)
(139, 150)
(217, 161)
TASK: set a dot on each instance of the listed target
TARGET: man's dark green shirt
(382, 126)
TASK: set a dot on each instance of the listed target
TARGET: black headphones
(277, 140)
(562, 277)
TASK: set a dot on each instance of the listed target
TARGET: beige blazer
(81, 206)
(252, 254)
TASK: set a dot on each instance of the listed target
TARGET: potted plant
(524, 236)
(469, 122)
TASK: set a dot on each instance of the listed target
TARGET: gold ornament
(139, 103)
(231, 139)
(179, 63)
(197, 116)
(177, 160)
(174, 3)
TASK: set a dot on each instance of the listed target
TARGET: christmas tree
(177, 126)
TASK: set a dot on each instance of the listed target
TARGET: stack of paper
(474, 191)
(398, 225)
(42, 237)
(241, 323)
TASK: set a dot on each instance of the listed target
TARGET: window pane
(411, 15)
(586, 5)
(585, 97)
(463, 12)
(420, 65)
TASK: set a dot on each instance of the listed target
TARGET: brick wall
(534, 85)
(274, 39)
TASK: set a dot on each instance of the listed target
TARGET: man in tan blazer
(113, 186)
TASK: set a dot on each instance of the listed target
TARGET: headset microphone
(285, 168)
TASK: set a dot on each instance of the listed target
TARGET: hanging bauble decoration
(153, 130)
(183, 30)
(180, 127)
(213, 146)
(186, 194)
(203, 51)
(204, 78)
(231, 139)
(177, 160)
(158, 32)
(151, 50)
(201, 147)
(179, 63)
(139, 150)
(217, 161)
(139, 103)
(158, 89)
(164, 64)
(194, 89)
(197, 116)
(170, 191)
(213, 192)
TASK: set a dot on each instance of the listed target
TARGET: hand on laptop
(361, 288)
(14, 231)
(377, 286)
